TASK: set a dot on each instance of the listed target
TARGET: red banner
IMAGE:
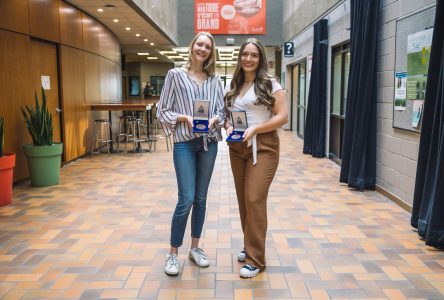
(230, 16)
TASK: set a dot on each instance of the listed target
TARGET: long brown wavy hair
(209, 66)
(262, 82)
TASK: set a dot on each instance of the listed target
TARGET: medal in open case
(240, 124)
(201, 115)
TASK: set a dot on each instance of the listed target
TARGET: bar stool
(100, 126)
(138, 136)
(125, 130)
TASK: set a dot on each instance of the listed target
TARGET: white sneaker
(171, 265)
(248, 271)
(241, 256)
(199, 257)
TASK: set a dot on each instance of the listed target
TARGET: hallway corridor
(103, 233)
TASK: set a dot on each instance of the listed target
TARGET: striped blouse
(177, 98)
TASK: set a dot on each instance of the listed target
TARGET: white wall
(338, 33)
(153, 69)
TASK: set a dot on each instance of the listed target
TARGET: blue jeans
(194, 167)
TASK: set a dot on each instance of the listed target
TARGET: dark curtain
(358, 167)
(428, 199)
(314, 134)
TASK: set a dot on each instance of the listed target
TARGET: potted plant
(7, 163)
(43, 155)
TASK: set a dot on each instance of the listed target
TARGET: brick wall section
(397, 149)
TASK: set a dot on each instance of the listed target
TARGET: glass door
(339, 85)
(299, 101)
(294, 97)
(302, 103)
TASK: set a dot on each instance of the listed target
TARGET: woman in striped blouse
(194, 153)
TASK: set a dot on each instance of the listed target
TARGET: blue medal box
(240, 124)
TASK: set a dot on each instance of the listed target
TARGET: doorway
(44, 69)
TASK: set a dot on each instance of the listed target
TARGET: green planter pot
(44, 163)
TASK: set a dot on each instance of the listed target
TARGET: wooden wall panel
(43, 62)
(44, 19)
(104, 80)
(14, 15)
(113, 79)
(23, 63)
(92, 78)
(15, 92)
(90, 34)
(71, 29)
(75, 118)
(106, 43)
(117, 52)
(118, 83)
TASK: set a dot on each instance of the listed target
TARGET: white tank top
(256, 114)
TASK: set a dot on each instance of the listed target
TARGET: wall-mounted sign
(46, 82)
(400, 90)
(230, 16)
(288, 49)
(419, 45)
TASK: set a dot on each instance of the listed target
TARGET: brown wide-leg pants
(252, 184)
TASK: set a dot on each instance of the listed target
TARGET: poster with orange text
(230, 16)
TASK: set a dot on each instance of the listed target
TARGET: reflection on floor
(104, 233)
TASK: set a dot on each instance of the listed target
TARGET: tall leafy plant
(38, 120)
(2, 135)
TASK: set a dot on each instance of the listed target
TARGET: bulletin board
(409, 88)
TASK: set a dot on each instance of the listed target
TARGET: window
(134, 86)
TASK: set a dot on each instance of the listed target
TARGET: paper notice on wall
(400, 90)
(417, 112)
(419, 46)
(46, 82)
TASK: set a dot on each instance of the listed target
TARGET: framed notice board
(413, 43)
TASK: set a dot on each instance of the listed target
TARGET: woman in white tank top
(254, 160)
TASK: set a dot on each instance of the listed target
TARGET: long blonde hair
(209, 66)
(262, 82)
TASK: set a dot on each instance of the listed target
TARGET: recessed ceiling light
(152, 44)
(128, 28)
(116, 21)
(137, 34)
(168, 52)
(109, 6)
(143, 53)
(145, 40)
(181, 49)
(100, 9)
(152, 57)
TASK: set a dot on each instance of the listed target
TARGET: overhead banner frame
(230, 16)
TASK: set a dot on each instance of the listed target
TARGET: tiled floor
(103, 234)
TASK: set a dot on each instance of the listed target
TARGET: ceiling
(142, 37)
